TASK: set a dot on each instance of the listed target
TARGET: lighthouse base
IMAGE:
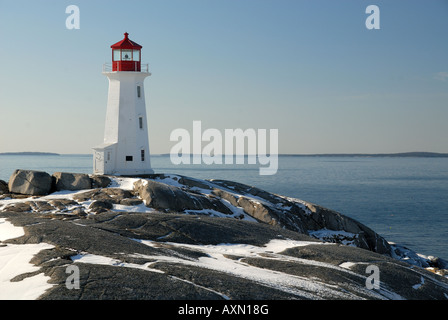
(133, 173)
(106, 161)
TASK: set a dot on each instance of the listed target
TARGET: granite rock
(175, 237)
(71, 181)
(30, 182)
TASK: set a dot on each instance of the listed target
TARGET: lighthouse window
(142, 153)
(140, 122)
(117, 55)
(129, 158)
(139, 91)
(136, 55)
(126, 55)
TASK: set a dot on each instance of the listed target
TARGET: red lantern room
(126, 55)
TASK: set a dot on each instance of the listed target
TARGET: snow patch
(135, 208)
(217, 259)
(305, 206)
(170, 179)
(347, 265)
(339, 236)
(14, 261)
(102, 260)
(124, 183)
(418, 285)
(9, 231)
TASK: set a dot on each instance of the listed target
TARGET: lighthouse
(125, 149)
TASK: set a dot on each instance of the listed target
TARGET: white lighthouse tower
(125, 150)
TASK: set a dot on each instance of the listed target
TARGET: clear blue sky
(310, 69)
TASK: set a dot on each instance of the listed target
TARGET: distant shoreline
(29, 154)
(365, 155)
(401, 155)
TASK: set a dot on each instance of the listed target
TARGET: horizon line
(409, 154)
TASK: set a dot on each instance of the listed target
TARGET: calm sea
(403, 199)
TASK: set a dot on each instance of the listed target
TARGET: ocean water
(403, 199)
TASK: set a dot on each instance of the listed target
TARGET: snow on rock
(336, 236)
(9, 231)
(137, 206)
(219, 258)
(15, 261)
(347, 265)
(123, 183)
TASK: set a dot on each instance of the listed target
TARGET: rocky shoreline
(131, 235)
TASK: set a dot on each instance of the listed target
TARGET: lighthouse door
(99, 162)
(109, 162)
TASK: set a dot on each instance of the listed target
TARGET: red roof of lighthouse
(126, 43)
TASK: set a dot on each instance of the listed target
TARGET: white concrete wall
(124, 108)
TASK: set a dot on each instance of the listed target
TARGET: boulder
(161, 196)
(99, 206)
(71, 181)
(30, 182)
(3, 187)
(100, 181)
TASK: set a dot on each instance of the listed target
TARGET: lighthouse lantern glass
(126, 55)
(117, 54)
(136, 55)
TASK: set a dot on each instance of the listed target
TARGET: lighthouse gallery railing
(107, 67)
